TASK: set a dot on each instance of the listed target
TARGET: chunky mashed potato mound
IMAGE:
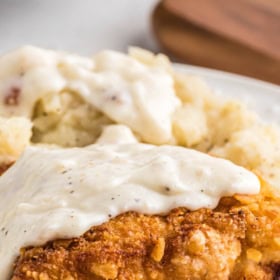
(68, 100)
(67, 120)
(226, 128)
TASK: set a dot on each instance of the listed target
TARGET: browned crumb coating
(240, 239)
(4, 167)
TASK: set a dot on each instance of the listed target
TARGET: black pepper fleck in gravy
(167, 189)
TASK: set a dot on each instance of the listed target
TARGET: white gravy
(61, 193)
(125, 90)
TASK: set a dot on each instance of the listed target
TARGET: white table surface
(82, 26)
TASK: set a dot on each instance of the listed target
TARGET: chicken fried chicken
(240, 239)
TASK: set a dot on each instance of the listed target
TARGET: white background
(82, 26)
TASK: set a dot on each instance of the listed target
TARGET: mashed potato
(15, 134)
(68, 100)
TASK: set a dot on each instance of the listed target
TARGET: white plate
(262, 97)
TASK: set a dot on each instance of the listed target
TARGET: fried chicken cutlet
(240, 239)
(67, 100)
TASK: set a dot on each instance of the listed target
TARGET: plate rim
(220, 74)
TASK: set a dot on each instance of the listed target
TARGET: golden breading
(4, 167)
(240, 239)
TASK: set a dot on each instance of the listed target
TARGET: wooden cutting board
(241, 36)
